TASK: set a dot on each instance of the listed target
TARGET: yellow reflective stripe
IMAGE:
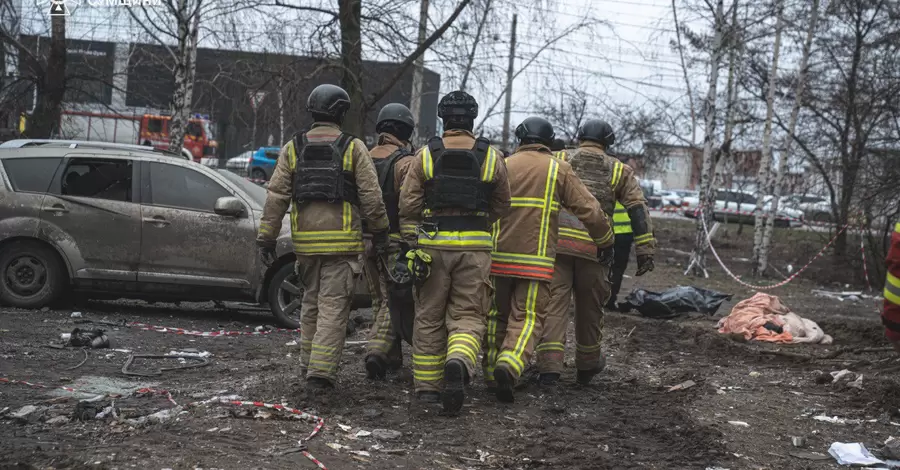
(643, 239)
(561, 155)
(331, 235)
(428, 376)
(551, 347)
(292, 155)
(490, 354)
(616, 175)
(348, 156)
(588, 349)
(575, 233)
(473, 341)
(490, 165)
(508, 358)
(319, 347)
(519, 258)
(427, 163)
(323, 363)
(464, 350)
(495, 234)
(472, 239)
(327, 248)
(515, 356)
(549, 190)
(606, 238)
(429, 359)
(535, 202)
(892, 289)
(897, 227)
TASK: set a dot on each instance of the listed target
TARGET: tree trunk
(760, 253)
(792, 127)
(51, 87)
(184, 75)
(350, 16)
(415, 97)
(684, 69)
(475, 41)
(699, 258)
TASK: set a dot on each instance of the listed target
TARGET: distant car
(669, 198)
(112, 221)
(740, 206)
(239, 164)
(262, 163)
(685, 192)
(815, 208)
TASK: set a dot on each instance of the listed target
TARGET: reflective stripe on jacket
(412, 199)
(621, 221)
(321, 227)
(891, 314)
(525, 240)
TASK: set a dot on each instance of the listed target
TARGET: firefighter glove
(418, 263)
(381, 241)
(644, 264)
(605, 256)
(267, 253)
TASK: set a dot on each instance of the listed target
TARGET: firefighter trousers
(329, 282)
(589, 281)
(620, 263)
(382, 340)
(451, 309)
(514, 324)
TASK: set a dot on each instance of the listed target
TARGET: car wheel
(258, 174)
(33, 276)
(285, 295)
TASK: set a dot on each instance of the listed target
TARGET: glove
(644, 264)
(418, 263)
(605, 256)
(381, 241)
(267, 253)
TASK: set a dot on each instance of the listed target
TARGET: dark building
(225, 86)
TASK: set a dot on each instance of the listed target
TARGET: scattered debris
(75, 315)
(164, 416)
(836, 420)
(755, 374)
(386, 434)
(58, 420)
(857, 383)
(95, 338)
(361, 453)
(336, 446)
(362, 433)
(345, 428)
(798, 441)
(853, 296)
(892, 448)
(742, 424)
(201, 362)
(809, 455)
(852, 454)
(838, 375)
(65, 337)
(27, 413)
(189, 353)
(682, 386)
(291, 343)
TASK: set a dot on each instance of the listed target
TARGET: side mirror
(229, 206)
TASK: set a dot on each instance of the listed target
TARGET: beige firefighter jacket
(412, 199)
(320, 227)
(525, 239)
(387, 145)
(610, 181)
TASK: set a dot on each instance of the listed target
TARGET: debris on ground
(75, 315)
(852, 296)
(28, 413)
(764, 317)
(95, 338)
(363, 433)
(682, 386)
(742, 424)
(798, 441)
(673, 302)
(386, 434)
(189, 353)
(160, 417)
(852, 454)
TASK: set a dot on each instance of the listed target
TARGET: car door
(90, 212)
(184, 241)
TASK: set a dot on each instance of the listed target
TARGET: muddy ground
(626, 420)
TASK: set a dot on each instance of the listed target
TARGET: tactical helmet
(597, 131)
(536, 129)
(329, 101)
(395, 112)
(458, 104)
(558, 144)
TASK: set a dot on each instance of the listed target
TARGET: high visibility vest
(621, 221)
(891, 314)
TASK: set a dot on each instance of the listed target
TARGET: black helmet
(328, 101)
(536, 129)
(558, 144)
(395, 112)
(597, 131)
(458, 103)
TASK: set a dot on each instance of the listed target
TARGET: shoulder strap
(300, 142)
(387, 175)
(481, 147)
(435, 145)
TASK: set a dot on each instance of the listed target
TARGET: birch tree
(760, 256)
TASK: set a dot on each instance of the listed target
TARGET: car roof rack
(21, 143)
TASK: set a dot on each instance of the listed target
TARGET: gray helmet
(598, 131)
(329, 100)
(458, 103)
(536, 129)
(395, 112)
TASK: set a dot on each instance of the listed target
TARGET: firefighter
(328, 179)
(611, 182)
(624, 243)
(525, 250)
(891, 314)
(392, 157)
(453, 193)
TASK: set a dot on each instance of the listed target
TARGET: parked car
(113, 221)
(262, 163)
(815, 208)
(686, 192)
(670, 198)
(239, 164)
(740, 206)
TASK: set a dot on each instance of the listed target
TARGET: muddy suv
(111, 221)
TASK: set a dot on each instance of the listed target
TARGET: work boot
(549, 379)
(428, 396)
(584, 377)
(455, 374)
(317, 389)
(376, 367)
(611, 306)
(505, 384)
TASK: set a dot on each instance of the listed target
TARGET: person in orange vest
(891, 314)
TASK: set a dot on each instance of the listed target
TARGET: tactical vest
(385, 169)
(456, 181)
(598, 175)
(320, 173)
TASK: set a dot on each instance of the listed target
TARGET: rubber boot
(376, 367)
(505, 384)
(584, 377)
(454, 395)
(428, 397)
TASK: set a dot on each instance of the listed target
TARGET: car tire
(258, 174)
(31, 275)
(284, 294)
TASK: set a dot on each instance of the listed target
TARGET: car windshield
(255, 191)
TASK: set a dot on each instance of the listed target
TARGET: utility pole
(509, 79)
(415, 99)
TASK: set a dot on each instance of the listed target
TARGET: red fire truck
(200, 144)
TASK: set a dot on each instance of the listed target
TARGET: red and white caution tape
(208, 334)
(862, 249)
(752, 286)
(302, 414)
